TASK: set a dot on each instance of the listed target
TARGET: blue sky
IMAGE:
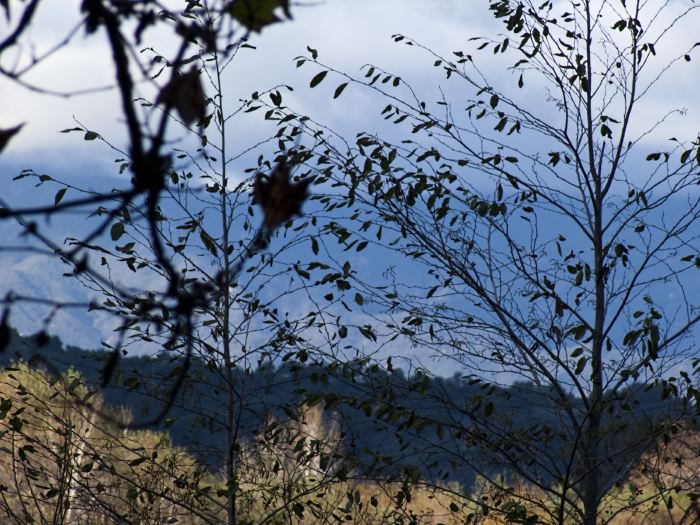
(347, 33)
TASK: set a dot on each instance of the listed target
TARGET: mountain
(391, 425)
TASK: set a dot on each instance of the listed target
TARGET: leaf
(116, 231)
(318, 79)
(368, 333)
(314, 245)
(254, 15)
(359, 299)
(276, 98)
(208, 242)
(494, 101)
(340, 89)
(7, 134)
(59, 195)
(580, 365)
(185, 94)
(136, 462)
(279, 197)
(91, 135)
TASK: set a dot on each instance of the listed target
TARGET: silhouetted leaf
(59, 195)
(318, 79)
(340, 89)
(116, 231)
(208, 242)
(7, 134)
(184, 93)
(279, 197)
(256, 14)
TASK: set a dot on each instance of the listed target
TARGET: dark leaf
(580, 365)
(7, 134)
(59, 195)
(136, 462)
(340, 89)
(116, 231)
(184, 93)
(208, 242)
(256, 14)
(280, 198)
(318, 79)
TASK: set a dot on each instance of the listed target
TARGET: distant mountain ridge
(450, 429)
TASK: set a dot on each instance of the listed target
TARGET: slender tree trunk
(231, 430)
(591, 441)
(75, 465)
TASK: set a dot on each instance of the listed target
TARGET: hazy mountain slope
(374, 412)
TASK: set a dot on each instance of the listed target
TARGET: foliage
(546, 237)
(65, 463)
(549, 235)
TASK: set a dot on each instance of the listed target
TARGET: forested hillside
(388, 421)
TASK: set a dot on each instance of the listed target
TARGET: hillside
(390, 424)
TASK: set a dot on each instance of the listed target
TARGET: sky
(347, 34)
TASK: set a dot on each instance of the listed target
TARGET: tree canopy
(528, 218)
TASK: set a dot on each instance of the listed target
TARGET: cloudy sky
(347, 34)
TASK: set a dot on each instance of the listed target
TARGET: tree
(218, 28)
(173, 225)
(65, 463)
(555, 245)
(240, 261)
